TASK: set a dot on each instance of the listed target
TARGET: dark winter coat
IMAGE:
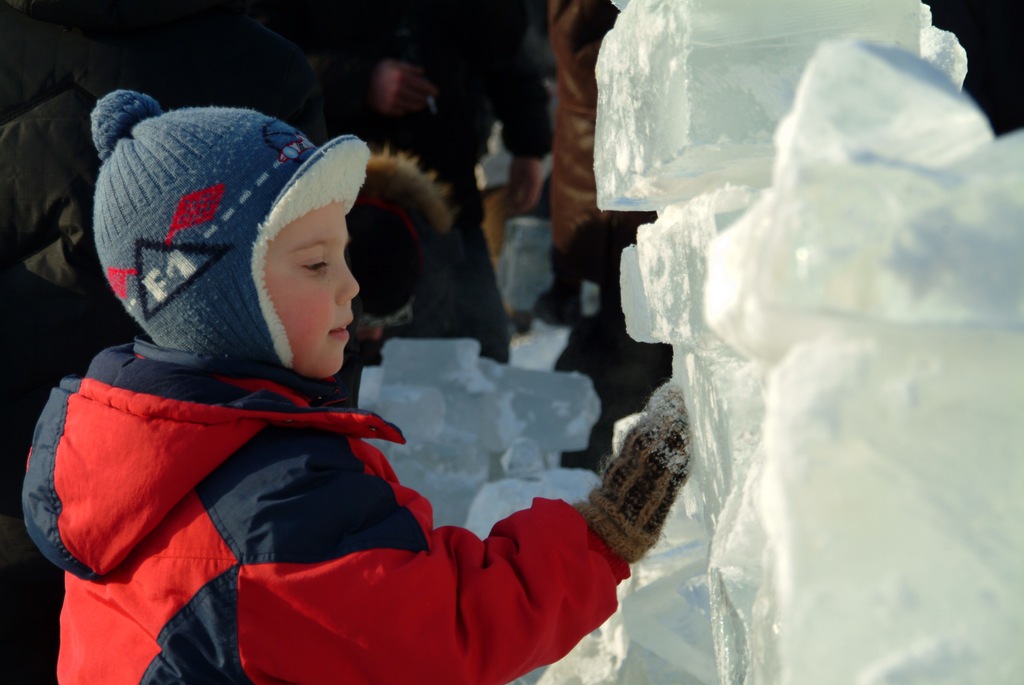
(469, 49)
(990, 32)
(57, 311)
(216, 527)
(587, 240)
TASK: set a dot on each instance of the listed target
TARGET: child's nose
(348, 287)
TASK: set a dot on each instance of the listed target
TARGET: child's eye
(318, 267)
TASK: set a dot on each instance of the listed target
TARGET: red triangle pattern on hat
(118, 279)
(195, 208)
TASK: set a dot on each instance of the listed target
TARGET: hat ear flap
(334, 173)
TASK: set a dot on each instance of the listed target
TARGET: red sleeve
(466, 611)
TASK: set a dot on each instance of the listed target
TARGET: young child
(220, 517)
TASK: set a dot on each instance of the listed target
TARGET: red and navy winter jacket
(221, 522)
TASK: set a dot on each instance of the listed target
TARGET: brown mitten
(640, 484)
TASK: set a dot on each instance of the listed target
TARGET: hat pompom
(116, 114)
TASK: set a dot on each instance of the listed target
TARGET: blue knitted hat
(186, 203)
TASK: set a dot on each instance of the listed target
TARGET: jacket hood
(110, 462)
(397, 178)
(119, 15)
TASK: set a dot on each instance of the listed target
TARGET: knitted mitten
(640, 484)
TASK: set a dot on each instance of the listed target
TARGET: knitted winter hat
(186, 203)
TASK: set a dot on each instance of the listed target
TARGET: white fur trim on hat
(334, 173)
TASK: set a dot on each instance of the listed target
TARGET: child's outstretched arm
(460, 609)
(629, 508)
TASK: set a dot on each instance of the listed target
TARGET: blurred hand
(399, 88)
(525, 182)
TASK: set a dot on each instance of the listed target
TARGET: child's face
(312, 289)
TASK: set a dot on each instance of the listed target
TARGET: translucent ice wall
(462, 413)
(842, 287)
(690, 91)
(886, 303)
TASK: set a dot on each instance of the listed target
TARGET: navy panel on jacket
(147, 368)
(200, 642)
(300, 495)
(40, 502)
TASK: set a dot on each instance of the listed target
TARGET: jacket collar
(317, 392)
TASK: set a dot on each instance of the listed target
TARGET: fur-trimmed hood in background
(401, 219)
(397, 178)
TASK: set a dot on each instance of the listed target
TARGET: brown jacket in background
(587, 241)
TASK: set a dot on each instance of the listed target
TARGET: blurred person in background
(404, 254)
(990, 32)
(428, 77)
